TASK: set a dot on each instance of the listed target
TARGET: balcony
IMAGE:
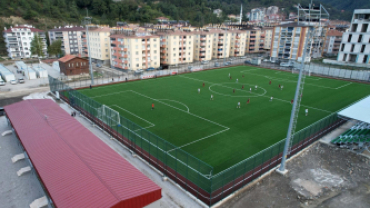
(237, 37)
(163, 51)
(202, 44)
(202, 49)
(125, 56)
(163, 40)
(220, 37)
(203, 39)
(219, 57)
(237, 46)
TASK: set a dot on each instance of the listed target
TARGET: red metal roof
(75, 166)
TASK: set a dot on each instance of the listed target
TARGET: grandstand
(358, 136)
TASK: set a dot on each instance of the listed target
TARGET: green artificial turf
(215, 131)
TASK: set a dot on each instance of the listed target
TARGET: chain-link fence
(192, 174)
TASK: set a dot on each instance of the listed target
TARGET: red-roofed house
(18, 40)
(72, 65)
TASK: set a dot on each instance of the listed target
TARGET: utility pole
(87, 21)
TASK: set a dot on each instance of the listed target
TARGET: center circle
(247, 91)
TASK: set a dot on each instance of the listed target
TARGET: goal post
(108, 115)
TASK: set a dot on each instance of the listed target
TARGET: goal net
(108, 115)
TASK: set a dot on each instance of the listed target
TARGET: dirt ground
(322, 176)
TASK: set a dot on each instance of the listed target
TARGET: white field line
(259, 96)
(178, 103)
(158, 100)
(287, 80)
(150, 124)
(109, 94)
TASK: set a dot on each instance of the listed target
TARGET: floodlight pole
(293, 114)
(87, 22)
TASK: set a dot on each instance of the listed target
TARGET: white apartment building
(18, 40)
(176, 46)
(99, 44)
(355, 46)
(332, 42)
(71, 37)
(134, 49)
(289, 42)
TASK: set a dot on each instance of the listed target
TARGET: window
(364, 27)
(137, 53)
(354, 28)
(349, 38)
(69, 65)
(360, 39)
(365, 59)
(106, 50)
(137, 65)
(137, 47)
(363, 48)
(342, 49)
(352, 47)
(137, 59)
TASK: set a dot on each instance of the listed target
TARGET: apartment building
(289, 42)
(71, 37)
(355, 45)
(134, 49)
(220, 43)
(18, 40)
(176, 46)
(238, 42)
(99, 44)
(203, 45)
(332, 42)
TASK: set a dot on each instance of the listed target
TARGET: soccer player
(291, 102)
(281, 87)
(243, 75)
(271, 99)
(250, 90)
(233, 90)
(152, 106)
(242, 86)
(90, 87)
(238, 105)
(203, 84)
(237, 80)
(198, 90)
(306, 112)
(211, 97)
(270, 82)
(230, 77)
(255, 87)
(248, 101)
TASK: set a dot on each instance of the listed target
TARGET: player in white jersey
(198, 90)
(211, 97)
(237, 80)
(271, 99)
(250, 90)
(281, 87)
(255, 87)
(238, 105)
(306, 111)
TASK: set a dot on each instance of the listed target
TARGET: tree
(55, 48)
(37, 46)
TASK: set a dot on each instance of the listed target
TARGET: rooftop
(76, 168)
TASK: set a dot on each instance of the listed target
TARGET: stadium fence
(192, 174)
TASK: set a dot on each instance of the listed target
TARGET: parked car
(150, 69)
(204, 62)
(98, 65)
(243, 57)
(13, 82)
(139, 71)
(217, 64)
(2, 83)
(231, 59)
(160, 68)
(21, 80)
(275, 61)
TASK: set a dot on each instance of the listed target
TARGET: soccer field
(216, 131)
